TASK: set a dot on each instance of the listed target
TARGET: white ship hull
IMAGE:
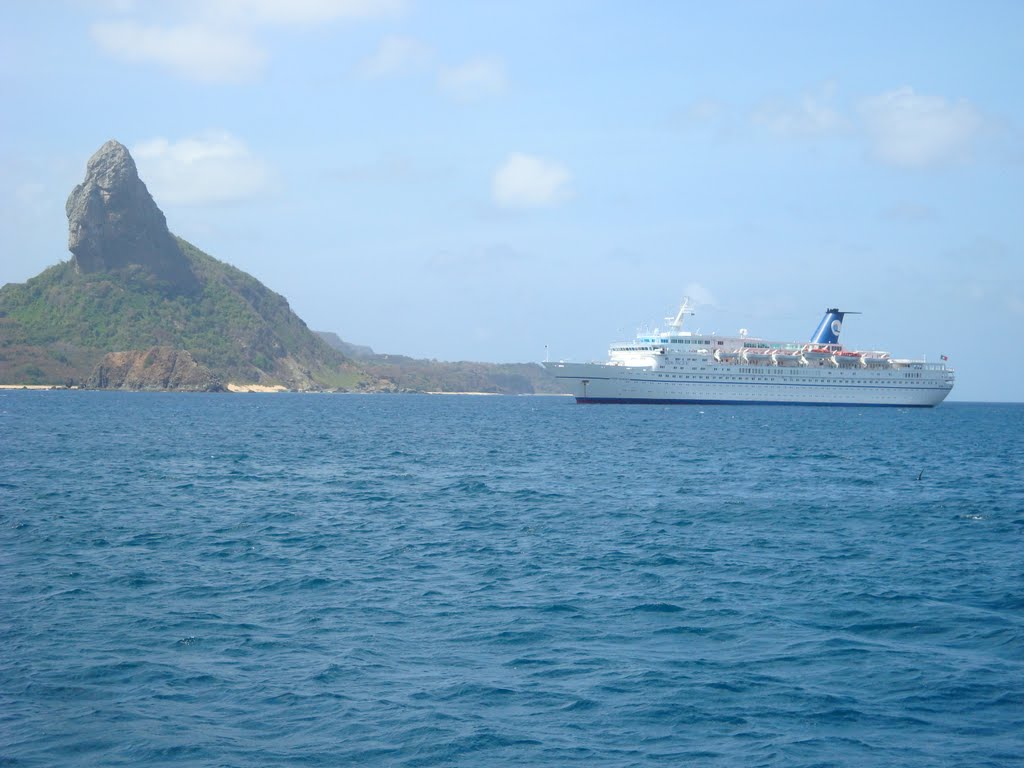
(676, 366)
(920, 385)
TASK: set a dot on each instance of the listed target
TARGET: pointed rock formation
(137, 308)
(113, 222)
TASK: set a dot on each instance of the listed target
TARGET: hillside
(139, 308)
(134, 287)
(438, 376)
(57, 327)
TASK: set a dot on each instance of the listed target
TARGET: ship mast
(676, 323)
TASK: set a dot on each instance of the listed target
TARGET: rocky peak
(113, 222)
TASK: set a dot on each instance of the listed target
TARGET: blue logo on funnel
(829, 327)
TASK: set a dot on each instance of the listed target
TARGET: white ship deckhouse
(676, 366)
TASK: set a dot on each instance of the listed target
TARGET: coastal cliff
(158, 368)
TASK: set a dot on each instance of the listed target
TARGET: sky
(504, 181)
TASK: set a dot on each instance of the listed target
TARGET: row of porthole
(791, 371)
(823, 395)
(738, 380)
(726, 383)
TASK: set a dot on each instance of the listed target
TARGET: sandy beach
(254, 388)
(34, 386)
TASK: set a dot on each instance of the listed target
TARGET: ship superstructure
(677, 366)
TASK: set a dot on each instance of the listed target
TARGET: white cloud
(525, 181)
(193, 51)
(474, 80)
(700, 295)
(703, 112)
(301, 11)
(214, 168)
(812, 116)
(910, 130)
(115, 6)
(396, 55)
(215, 40)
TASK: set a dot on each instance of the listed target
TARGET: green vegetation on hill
(139, 308)
(463, 376)
(437, 376)
(58, 325)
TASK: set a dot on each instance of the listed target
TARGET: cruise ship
(676, 366)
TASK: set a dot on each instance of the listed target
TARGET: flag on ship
(943, 357)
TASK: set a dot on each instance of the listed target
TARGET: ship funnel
(829, 327)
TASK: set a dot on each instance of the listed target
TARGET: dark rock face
(113, 222)
(158, 368)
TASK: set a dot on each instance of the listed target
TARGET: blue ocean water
(291, 580)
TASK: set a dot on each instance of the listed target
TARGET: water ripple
(419, 581)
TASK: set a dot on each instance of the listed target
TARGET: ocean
(403, 580)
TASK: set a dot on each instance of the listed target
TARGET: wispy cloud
(397, 55)
(193, 51)
(702, 112)
(900, 127)
(911, 130)
(474, 80)
(813, 115)
(115, 6)
(213, 168)
(218, 41)
(700, 295)
(301, 11)
(526, 181)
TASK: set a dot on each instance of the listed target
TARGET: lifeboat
(756, 354)
(874, 358)
(847, 357)
(786, 356)
(816, 353)
(721, 355)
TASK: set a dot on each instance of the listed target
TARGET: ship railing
(919, 365)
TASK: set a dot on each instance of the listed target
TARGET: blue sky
(483, 180)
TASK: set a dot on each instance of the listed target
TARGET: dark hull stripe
(704, 383)
(645, 401)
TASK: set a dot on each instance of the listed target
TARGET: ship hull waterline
(677, 367)
(593, 386)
